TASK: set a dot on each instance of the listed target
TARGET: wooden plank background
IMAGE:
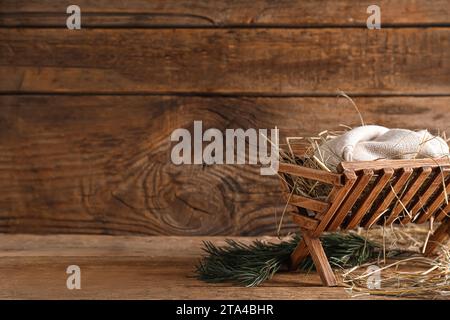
(237, 61)
(213, 13)
(85, 116)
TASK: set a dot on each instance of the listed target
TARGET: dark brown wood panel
(133, 13)
(226, 61)
(101, 164)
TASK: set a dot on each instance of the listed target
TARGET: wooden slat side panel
(391, 195)
(222, 13)
(443, 213)
(352, 197)
(408, 196)
(384, 176)
(226, 61)
(339, 196)
(423, 198)
(438, 200)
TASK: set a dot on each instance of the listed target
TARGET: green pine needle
(252, 264)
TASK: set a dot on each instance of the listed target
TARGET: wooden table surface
(129, 267)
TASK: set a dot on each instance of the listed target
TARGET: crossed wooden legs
(440, 236)
(312, 245)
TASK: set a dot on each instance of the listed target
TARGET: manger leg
(441, 235)
(320, 260)
(300, 253)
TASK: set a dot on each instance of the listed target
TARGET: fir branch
(252, 264)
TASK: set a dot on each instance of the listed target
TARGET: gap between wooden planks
(126, 267)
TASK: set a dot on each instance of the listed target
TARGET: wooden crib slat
(409, 195)
(309, 173)
(353, 195)
(394, 164)
(423, 199)
(380, 183)
(435, 204)
(404, 176)
(308, 203)
(338, 197)
(305, 222)
(443, 213)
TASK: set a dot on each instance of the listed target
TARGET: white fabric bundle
(375, 142)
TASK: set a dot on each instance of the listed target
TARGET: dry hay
(408, 275)
(415, 277)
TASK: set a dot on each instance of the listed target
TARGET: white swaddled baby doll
(376, 142)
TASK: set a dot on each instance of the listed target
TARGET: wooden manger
(366, 193)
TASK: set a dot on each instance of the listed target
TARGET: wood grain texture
(227, 61)
(101, 164)
(146, 13)
(34, 267)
